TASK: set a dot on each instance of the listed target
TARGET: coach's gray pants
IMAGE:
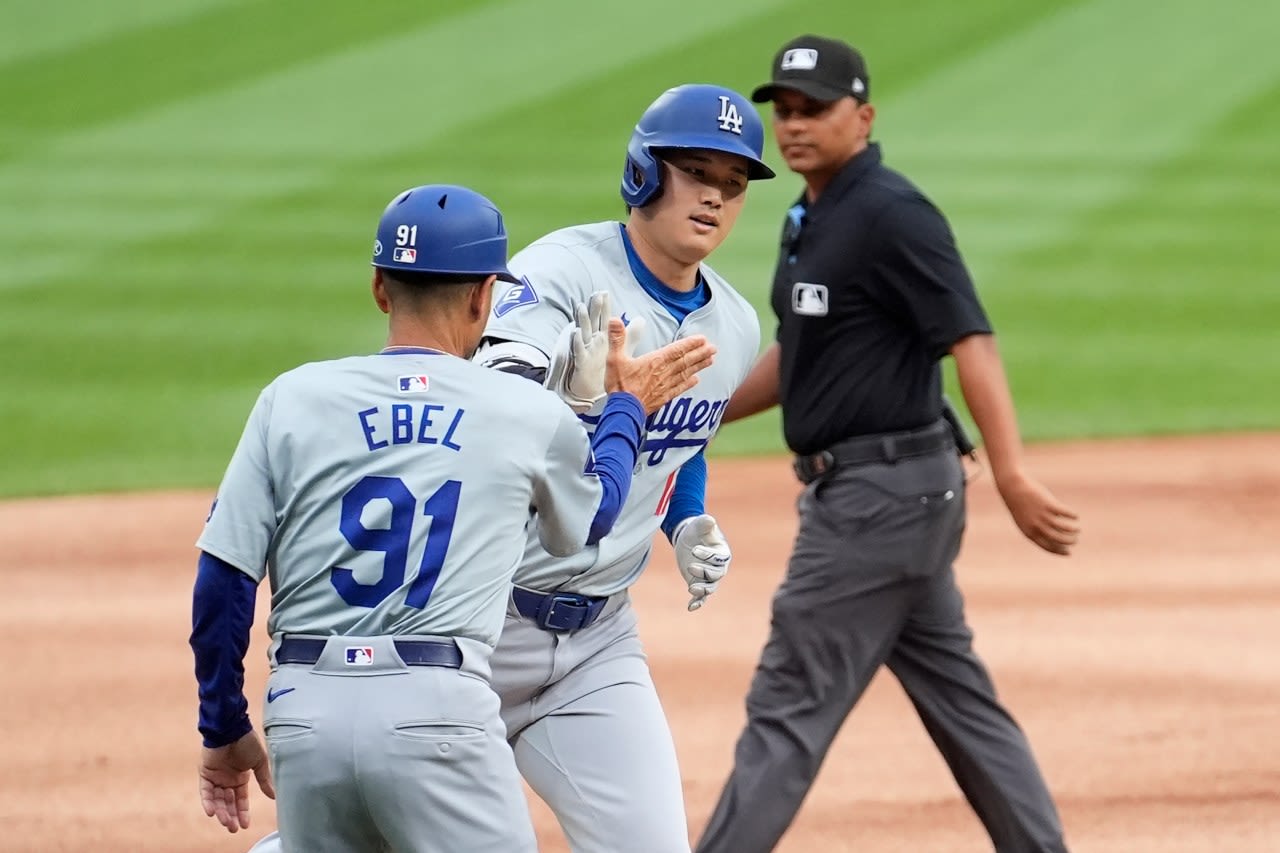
(870, 582)
(389, 757)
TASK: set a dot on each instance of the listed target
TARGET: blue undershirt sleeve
(221, 618)
(689, 496)
(614, 447)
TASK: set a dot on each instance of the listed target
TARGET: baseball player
(581, 710)
(389, 514)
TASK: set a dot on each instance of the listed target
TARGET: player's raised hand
(224, 780)
(576, 371)
(659, 376)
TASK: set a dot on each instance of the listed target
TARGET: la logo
(729, 117)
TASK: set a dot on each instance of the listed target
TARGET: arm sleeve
(221, 616)
(690, 494)
(926, 277)
(242, 522)
(614, 448)
(585, 483)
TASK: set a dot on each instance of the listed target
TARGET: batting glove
(576, 371)
(702, 555)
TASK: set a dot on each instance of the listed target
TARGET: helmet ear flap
(641, 178)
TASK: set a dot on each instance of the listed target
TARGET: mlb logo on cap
(413, 384)
(404, 256)
(802, 58)
(359, 655)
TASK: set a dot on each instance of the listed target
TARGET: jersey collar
(410, 351)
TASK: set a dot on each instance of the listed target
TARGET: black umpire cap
(822, 68)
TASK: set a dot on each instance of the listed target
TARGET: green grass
(188, 191)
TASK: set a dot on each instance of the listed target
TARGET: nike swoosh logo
(625, 321)
(273, 695)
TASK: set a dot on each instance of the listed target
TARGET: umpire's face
(817, 137)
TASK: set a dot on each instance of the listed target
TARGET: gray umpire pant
(870, 582)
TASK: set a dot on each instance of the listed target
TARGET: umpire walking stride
(870, 293)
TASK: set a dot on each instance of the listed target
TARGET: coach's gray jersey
(561, 270)
(392, 494)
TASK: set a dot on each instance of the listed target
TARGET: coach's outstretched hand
(224, 780)
(657, 377)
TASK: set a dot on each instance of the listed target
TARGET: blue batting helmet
(441, 228)
(696, 115)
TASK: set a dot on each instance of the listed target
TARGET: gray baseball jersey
(561, 270)
(587, 728)
(379, 497)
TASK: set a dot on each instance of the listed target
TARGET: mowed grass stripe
(1176, 286)
(211, 50)
(290, 130)
(33, 27)
(1082, 107)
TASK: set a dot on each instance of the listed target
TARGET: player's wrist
(624, 402)
(215, 738)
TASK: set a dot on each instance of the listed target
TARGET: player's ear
(379, 287)
(482, 299)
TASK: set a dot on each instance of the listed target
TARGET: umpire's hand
(1040, 516)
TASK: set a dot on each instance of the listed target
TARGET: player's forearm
(759, 391)
(986, 392)
(689, 495)
(615, 445)
(222, 616)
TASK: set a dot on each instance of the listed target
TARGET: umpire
(870, 293)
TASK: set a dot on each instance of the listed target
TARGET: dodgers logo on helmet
(698, 116)
(730, 119)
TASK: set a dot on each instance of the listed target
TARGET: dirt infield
(1146, 669)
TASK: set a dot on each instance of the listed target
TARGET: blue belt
(413, 652)
(558, 611)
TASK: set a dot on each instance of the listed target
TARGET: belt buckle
(563, 611)
(811, 467)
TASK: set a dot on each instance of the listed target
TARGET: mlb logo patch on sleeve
(413, 384)
(516, 295)
(359, 655)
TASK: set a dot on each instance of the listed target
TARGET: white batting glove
(576, 371)
(635, 331)
(702, 555)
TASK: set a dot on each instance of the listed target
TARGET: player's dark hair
(417, 289)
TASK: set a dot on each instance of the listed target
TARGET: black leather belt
(413, 652)
(558, 611)
(868, 449)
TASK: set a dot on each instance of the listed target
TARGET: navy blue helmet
(441, 228)
(696, 115)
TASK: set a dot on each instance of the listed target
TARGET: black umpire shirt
(870, 293)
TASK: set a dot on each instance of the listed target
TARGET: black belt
(867, 449)
(413, 652)
(558, 611)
